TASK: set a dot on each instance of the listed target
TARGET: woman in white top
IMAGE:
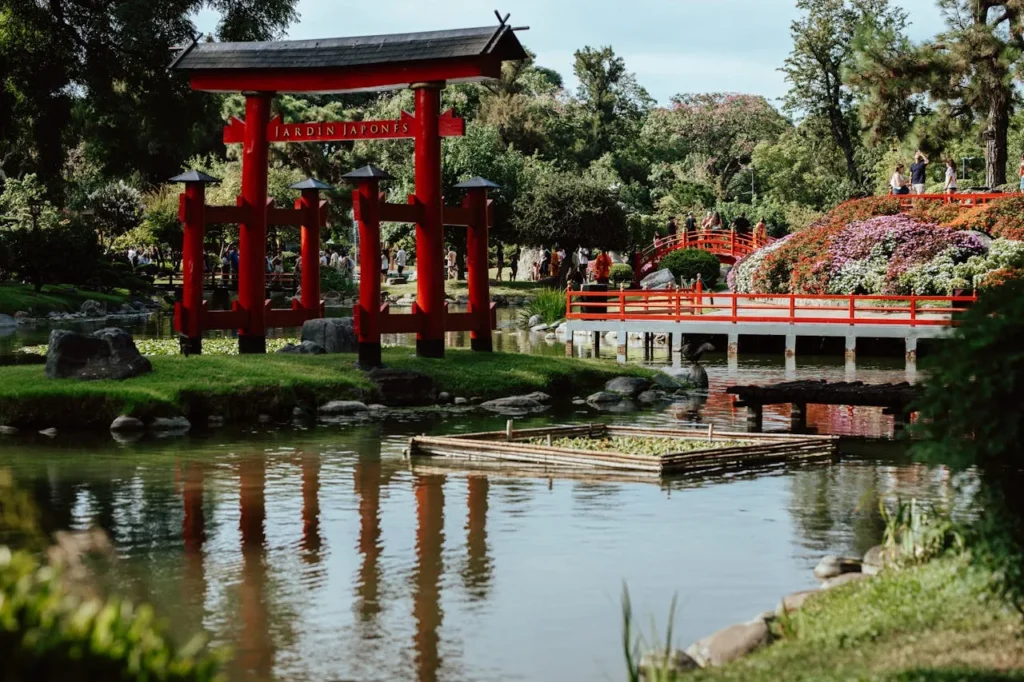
(950, 187)
(898, 183)
(453, 271)
(385, 264)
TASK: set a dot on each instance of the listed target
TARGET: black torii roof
(362, 51)
(195, 176)
(367, 172)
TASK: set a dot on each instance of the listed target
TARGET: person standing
(385, 265)
(917, 172)
(672, 228)
(691, 222)
(741, 225)
(603, 267)
(951, 185)
(500, 255)
(400, 259)
(898, 183)
(513, 266)
(452, 263)
(1021, 169)
(555, 261)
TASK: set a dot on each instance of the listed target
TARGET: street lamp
(35, 209)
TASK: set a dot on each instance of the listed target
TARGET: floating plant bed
(602, 447)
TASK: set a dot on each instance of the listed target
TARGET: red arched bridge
(728, 245)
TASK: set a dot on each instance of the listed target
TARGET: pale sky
(673, 46)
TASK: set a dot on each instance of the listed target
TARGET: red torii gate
(424, 62)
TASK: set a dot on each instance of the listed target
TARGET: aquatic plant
(549, 304)
(915, 533)
(634, 644)
(631, 445)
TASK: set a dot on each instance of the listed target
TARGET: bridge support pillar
(734, 346)
(596, 345)
(755, 419)
(790, 346)
(851, 349)
(911, 350)
(622, 346)
(798, 418)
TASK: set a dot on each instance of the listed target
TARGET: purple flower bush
(874, 256)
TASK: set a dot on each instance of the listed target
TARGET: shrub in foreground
(688, 263)
(548, 303)
(972, 416)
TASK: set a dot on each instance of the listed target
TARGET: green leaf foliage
(686, 264)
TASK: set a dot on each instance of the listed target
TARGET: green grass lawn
(241, 387)
(15, 297)
(934, 622)
(457, 287)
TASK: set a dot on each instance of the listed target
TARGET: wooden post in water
(755, 419)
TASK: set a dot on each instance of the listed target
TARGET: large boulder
(875, 559)
(93, 308)
(660, 279)
(404, 388)
(527, 257)
(831, 566)
(794, 602)
(630, 387)
(304, 348)
(338, 408)
(729, 644)
(333, 334)
(515, 406)
(105, 354)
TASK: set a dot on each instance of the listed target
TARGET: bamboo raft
(513, 447)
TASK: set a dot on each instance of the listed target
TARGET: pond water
(323, 554)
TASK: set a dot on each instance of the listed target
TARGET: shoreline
(241, 389)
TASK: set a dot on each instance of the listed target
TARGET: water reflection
(427, 610)
(324, 555)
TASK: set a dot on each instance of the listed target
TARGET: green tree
(98, 72)
(822, 52)
(613, 103)
(570, 210)
(970, 68)
(715, 134)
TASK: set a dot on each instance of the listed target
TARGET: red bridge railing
(725, 244)
(682, 305)
(907, 201)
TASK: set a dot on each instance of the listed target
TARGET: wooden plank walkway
(895, 399)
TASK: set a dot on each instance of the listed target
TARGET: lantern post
(188, 312)
(309, 251)
(477, 261)
(366, 207)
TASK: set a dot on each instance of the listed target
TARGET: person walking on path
(951, 185)
(898, 183)
(603, 267)
(451, 261)
(917, 172)
(500, 255)
(513, 266)
(400, 259)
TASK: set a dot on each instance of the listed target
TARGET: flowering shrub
(1003, 218)
(867, 247)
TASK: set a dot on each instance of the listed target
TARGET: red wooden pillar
(252, 234)
(365, 200)
(309, 250)
(477, 262)
(188, 312)
(430, 229)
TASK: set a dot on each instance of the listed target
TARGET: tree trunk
(996, 139)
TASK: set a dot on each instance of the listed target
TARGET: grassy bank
(456, 287)
(241, 387)
(938, 621)
(15, 297)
